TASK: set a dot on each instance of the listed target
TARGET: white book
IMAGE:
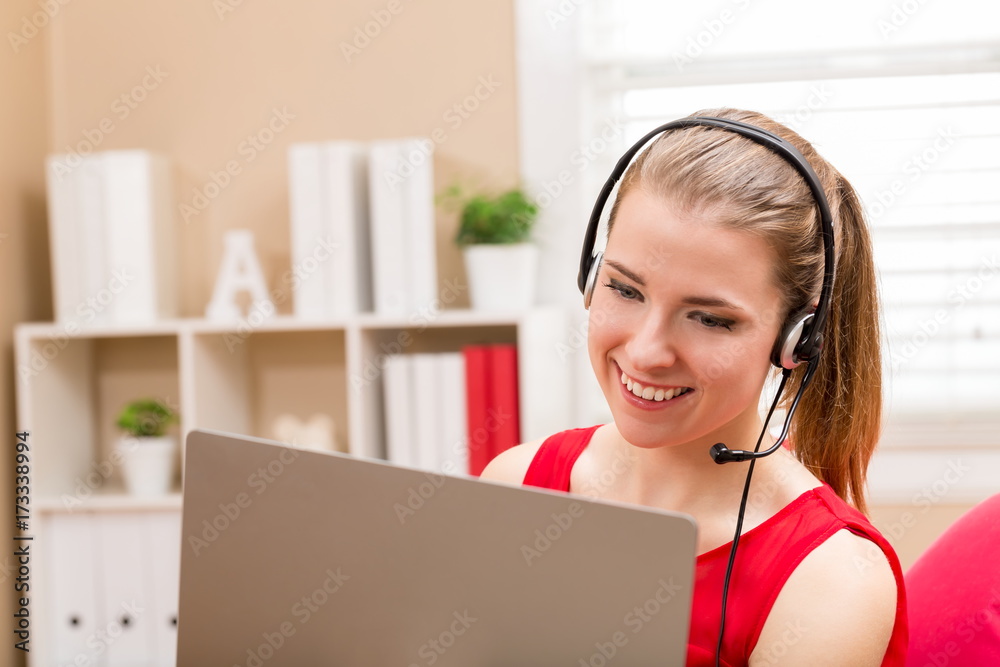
(328, 200)
(425, 411)
(397, 398)
(452, 411)
(112, 238)
(418, 206)
(93, 275)
(64, 237)
(306, 186)
(391, 253)
(138, 230)
(347, 227)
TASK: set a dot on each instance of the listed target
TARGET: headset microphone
(722, 454)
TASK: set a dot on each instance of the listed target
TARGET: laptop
(299, 557)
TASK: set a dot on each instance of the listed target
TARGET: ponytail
(838, 421)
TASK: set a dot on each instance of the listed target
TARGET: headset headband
(809, 340)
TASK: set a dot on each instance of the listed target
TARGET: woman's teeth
(652, 393)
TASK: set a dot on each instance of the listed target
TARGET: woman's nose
(652, 344)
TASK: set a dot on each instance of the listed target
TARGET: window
(908, 110)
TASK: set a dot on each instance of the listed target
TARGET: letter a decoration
(239, 271)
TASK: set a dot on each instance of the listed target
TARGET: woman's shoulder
(512, 464)
(857, 587)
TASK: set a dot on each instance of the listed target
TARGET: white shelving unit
(71, 384)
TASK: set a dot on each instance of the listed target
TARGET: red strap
(553, 462)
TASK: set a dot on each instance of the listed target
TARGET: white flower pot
(501, 276)
(148, 464)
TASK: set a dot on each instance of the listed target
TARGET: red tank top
(771, 551)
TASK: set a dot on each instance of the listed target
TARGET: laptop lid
(299, 557)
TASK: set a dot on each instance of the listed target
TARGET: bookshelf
(69, 386)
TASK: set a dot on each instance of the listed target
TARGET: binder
(397, 395)
(478, 387)
(162, 578)
(426, 400)
(453, 414)
(401, 196)
(348, 282)
(328, 207)
(73, 590)
(305, 202)
(125, 603)
(138, 240)
(503, 358)
(112, 238)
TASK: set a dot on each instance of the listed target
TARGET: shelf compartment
(71, 390)
(243, 384)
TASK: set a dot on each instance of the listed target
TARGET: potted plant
(146, 450)
(501, 260)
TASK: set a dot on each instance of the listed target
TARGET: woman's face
(684, 307)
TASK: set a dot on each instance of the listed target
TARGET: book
(403, 242)
(348, 283)
(307, 223)
(503, 361)
(328, 207)
(479, 395)
(139, 240)
(426, 418)
(65, 242)
(452, 410)
(397, 397)
(112, 237)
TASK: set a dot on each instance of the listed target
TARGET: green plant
(146, 417)
(505, 218)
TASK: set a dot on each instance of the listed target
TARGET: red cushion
(953, 594)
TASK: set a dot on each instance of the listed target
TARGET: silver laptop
(298, 557)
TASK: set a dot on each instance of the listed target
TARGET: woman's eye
(623, 291)
(713, 322)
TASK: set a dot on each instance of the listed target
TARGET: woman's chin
(644, 436)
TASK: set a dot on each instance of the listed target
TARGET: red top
(768, 553)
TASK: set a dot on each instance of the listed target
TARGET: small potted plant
(501, 260)
(146, 450)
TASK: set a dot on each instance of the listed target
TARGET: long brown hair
(749, 187)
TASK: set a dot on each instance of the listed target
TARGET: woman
(713, 246)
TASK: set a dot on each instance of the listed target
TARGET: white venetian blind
(916, 129)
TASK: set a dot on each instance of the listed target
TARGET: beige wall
(912, 528)
(23, 241)
(221, 76)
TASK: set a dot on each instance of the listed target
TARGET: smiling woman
(710, 299)
(735, 252)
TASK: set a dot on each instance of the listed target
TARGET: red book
(505, 404)
(478, 398)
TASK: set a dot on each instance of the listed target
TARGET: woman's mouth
(651, 393)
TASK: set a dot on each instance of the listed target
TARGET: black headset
(801, 337)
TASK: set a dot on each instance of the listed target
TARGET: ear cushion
(788, 352)
(588, 290)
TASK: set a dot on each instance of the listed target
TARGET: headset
(800, 339)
